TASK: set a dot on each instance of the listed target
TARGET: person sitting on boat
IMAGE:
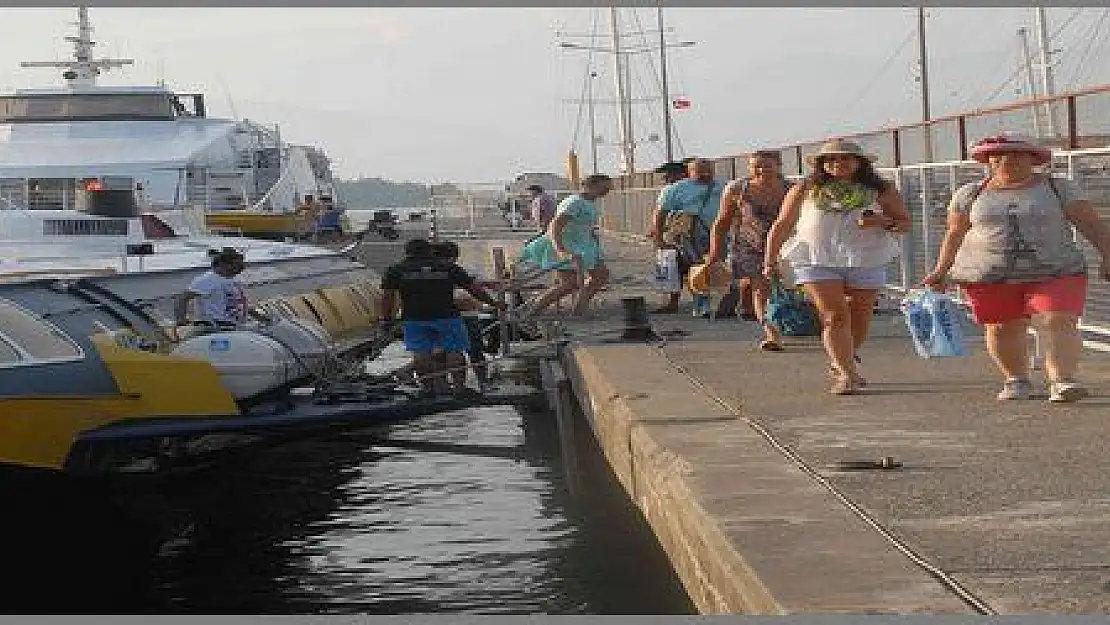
(327, 224)
(430, 317)
(221, 299)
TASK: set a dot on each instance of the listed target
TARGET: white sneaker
(1066, 392)
(1016, 389)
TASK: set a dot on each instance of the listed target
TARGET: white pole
(1047, 88)
(626, 140)
(1031, 84)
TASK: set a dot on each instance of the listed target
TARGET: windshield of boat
(28, 339)
(54, 107)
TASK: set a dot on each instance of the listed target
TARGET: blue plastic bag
(935, 322)
(791, 313)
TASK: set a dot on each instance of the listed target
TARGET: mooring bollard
(637, 326)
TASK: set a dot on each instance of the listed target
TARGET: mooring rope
(968, 597)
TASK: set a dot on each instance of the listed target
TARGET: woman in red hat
(1010, 247)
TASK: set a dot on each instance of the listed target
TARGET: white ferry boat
(101, 229)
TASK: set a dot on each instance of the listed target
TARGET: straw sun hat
(1010, 142)
(710, 277)
(838, 146)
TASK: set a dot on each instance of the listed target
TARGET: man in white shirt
(221, 300)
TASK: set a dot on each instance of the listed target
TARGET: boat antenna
(227, 94)
(82, 71)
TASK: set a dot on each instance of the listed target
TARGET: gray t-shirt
(1017, 235)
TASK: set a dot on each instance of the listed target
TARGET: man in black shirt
(430, 317)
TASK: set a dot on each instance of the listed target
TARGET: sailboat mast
(666, 89)
(593, 128)
(923, 66)
(923, 61)
(1031, 84)
(627, 149)
(1047, 88)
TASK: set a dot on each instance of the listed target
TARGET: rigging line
(656, 76)
(585, 85)
(1021, 62)
(1091, 39)
(636, 79)
(1092, 72)
(882, 69)
(997, 69)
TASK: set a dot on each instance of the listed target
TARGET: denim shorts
(852, 277)
(422, 337)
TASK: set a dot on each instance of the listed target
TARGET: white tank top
(834, 239)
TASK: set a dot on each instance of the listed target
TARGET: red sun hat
(1009, 142)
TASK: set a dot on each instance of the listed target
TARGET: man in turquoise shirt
(698, 194)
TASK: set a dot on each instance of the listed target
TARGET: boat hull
(124, 372)
(260, 225)
(168, 444)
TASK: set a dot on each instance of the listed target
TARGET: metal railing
(1074, 121)
(927, 189)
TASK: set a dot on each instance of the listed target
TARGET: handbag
(677, 227)
(790, 312)
(682, 226)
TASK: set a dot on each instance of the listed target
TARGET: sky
(479, 95)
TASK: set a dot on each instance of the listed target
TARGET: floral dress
(749, 236)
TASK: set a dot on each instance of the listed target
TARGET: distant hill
(380, 193)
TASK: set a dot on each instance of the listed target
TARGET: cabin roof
(69, 150)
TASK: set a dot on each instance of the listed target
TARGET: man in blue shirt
(698, 195)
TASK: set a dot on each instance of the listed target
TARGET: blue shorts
(422, 337)
(852, 277)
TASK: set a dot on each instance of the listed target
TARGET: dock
(769, 496)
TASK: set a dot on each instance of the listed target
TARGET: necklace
(838, 196)
(1013, 184)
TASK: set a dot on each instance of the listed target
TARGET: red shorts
(999, 303)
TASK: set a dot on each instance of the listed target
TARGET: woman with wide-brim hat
(1009, 245)
(846, 220)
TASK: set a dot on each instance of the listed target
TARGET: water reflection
(472, 516)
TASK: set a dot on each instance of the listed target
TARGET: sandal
(770, 346)
(835, 373)
(844, 386)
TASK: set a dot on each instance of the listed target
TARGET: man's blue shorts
(422, 337)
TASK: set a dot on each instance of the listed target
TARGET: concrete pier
(733, 456)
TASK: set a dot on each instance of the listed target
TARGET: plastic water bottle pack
(667, 278)
(935, 323)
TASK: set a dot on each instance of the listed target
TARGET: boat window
(34, 338)
(8, 354)
(84, 107)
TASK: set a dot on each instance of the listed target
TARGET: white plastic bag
(667, 277)
(935, 323)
